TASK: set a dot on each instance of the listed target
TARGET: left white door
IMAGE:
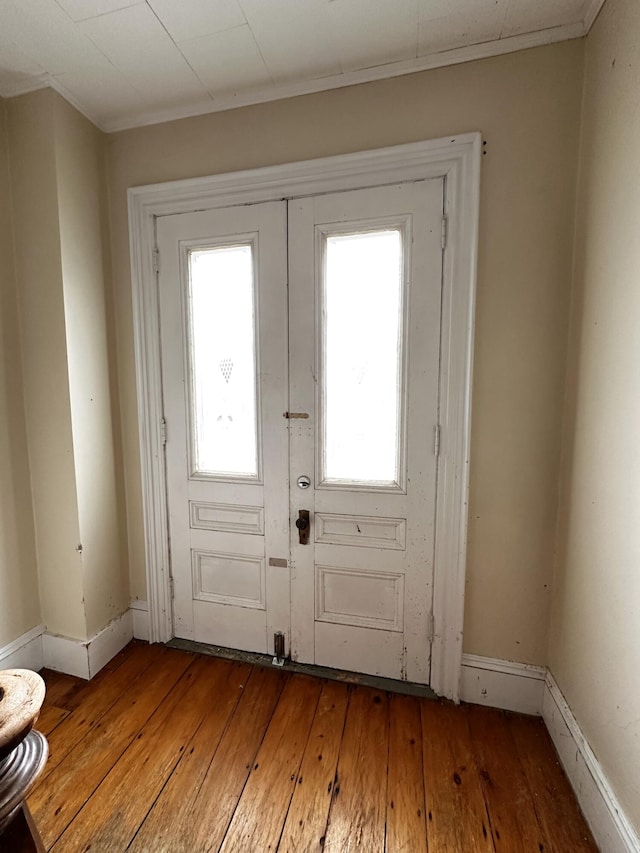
(224, 365)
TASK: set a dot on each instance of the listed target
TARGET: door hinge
(436, 440)
(431, 628)
(171, 588)
(156, 260)
(445, 224)
(163, 432)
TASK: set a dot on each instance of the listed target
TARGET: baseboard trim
(107, 643)
(502, 684)
(85, 659)
(140, 612)
(533, 690)
(484, 681)
(611, 828)
(25, 652)
(65, 654)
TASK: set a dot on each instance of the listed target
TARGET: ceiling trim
(484, 50)
(48, 81)
(26, 85)
(66, 94)
(459, 55)
(592, 13)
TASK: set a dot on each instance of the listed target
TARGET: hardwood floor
(171, 751)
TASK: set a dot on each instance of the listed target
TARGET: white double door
(300, 353)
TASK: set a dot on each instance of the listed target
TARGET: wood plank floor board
(457, 819)
(554, 800)
(406, 819)
(203, 824)
(306, 823)
(199, 754)
(69, 691)
(61, 688)
(168, 825)
(97, 697)
(514, 822)
(59, 797)
(261, 813)
(50, 718)
(358, 808)
(122, 656)
(110, 819)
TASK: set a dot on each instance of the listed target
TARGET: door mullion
(302, 431)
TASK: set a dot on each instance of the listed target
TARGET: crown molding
(595, 6)
(471, 53)
(48, 81)
(25, 85)
(484, 50)
(57, 86)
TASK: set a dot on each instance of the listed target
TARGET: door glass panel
(223, 361)
(363, 307)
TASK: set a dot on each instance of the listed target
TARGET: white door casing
(457, 160)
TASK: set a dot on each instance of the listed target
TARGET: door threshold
(392, 685)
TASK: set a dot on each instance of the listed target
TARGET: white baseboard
(25, 652)
(502, 684)
(107, 643)
(140, 612)
(533, 690)
(611, 829)
(484, 681)
(86, 658)
(64, 654)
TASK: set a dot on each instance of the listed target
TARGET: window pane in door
(223, 361)
(363, 300)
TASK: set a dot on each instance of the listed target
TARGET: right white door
(365, 283)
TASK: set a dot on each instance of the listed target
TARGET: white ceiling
(132, 62)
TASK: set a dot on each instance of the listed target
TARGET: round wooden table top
(21, 697)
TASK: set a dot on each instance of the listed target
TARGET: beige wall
(595, 636)
(81, 182)
(59, 218)
(44, 361)
(527, 106)
(19, 596)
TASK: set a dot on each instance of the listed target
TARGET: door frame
(457, 160)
